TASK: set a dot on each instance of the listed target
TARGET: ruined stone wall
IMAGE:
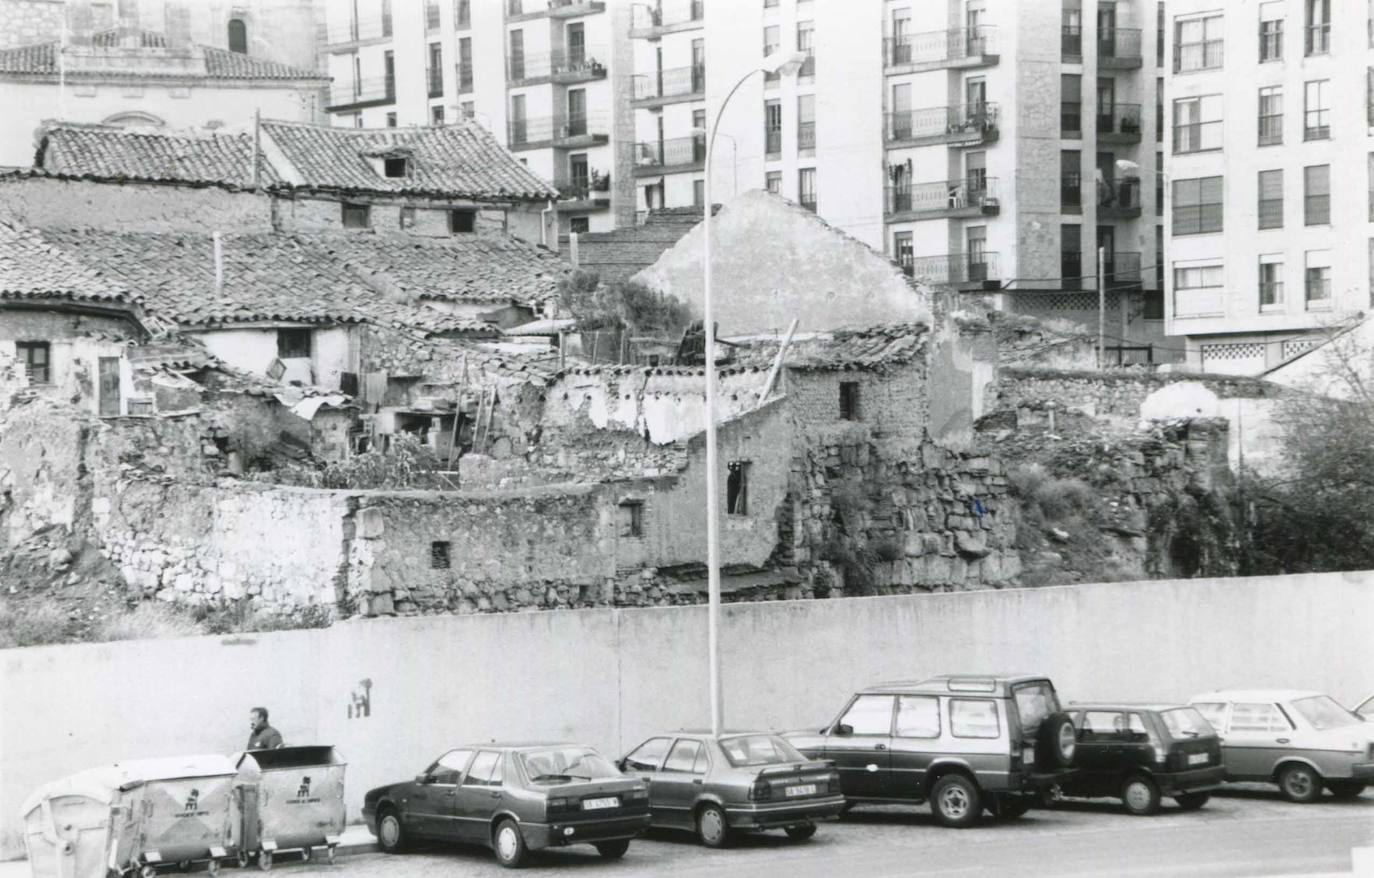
(1116, 394)
(893, 402)
(41, 471)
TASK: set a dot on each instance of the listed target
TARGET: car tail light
(833, 780)
(636, 795)
(760, 790)
(560, 803)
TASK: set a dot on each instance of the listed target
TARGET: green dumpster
(292, 798)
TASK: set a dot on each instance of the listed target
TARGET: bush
(149, 621)
(406, 464)
(242, 617)
(32, 626)
(1062, 498)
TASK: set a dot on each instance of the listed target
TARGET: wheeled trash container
(292, 798)
(132, 817)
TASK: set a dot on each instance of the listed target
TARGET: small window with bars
(37, 359)
(439, 555)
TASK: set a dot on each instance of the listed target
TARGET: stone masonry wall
(1112, 394)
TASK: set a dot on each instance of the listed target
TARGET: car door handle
(698, 781)
(1281, 740)
(879, 746)
(495, 794)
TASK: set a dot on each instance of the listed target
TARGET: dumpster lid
(291, 757)
(102, 783)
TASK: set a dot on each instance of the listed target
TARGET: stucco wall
(131, 207)
(786, 665)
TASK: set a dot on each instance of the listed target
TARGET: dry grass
(34, 625)
(147, 622)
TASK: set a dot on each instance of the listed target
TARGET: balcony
(1118, 199)
(676, 155)
(1118, 48)
(650, 21)
(434, 78)
(806, 136)
(558, 132)
(1071, 44)
(563, 67)
(362, 93)
(1071, 119)
(1119, 123)
(966, 271)
(772, 142)
(578, 193)
(1122, 271)
(942, 49)
(347, 35)
(672, 86)
(960, 125)
(947, 199)
(464, 71)
(1070, 192)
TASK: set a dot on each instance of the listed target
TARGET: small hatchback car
(735, 782)
(513, 798)
(1141, 753)
(963, 743)
(1299, 740)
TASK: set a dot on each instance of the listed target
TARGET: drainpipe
(544, 224)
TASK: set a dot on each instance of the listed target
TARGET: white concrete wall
(786, 665)
(333, 352)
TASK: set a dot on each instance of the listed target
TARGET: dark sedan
(513, 799)
(735, 782)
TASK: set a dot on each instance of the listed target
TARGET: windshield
(1323, 712)
(1034, 702)
(746, 750)
(1367, 708)
(1186, 722)
(557, 764)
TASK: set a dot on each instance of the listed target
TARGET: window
(1316, 122)
(1159, 34)
(579, 225)
(772, 127)
(1214, 713)
(849, 400)
(391, 120)
(1197, 43)
(438, 555)
(356, 216)
(517, 55)
(1071, 105)
(1197, 206)
(1159, 184)
(431, 14)
(485, 770)
(806, 122)
(1159, 110)
(357, 120)
(869, 715)
(686, 757)
(436, 114)
(1071, 31)
(1271, 199)
(973, 718)
(464, 65)
(806, 43)
(903, 250)
(632, 518)
(37, 359)
(1317, 282)
(238, 36)
(293, 344)
(1258, 718)
(1369, 96)
(462, 222)
(462, 14)
(1316, 195)
(647, 756)
(918, 716)
(1107, 724)
(1271, 31)
(699, 193)
(435, 72)
(1271, 115)
(386, 18)
(1369, 172)
(772, 44)
(1197, 124)
(449, 768)
(467, 110)
(806, 188)
(737, 488)
(1071, 256)
(406, 217)
(1371, 272)
(772, 181)
(395, 167)
(1318, 27)
(1271, 281)
(1198, 288)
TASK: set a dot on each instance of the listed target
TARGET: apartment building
(1269, 236)
(540, 74)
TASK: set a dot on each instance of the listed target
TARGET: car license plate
(593, 804)
(806, 789)
(1198, 758)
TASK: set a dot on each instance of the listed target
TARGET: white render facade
(1269, 230)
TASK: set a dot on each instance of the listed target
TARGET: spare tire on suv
(1055, 742)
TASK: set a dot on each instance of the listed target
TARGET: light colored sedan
(1297, 739)
(1365, 711)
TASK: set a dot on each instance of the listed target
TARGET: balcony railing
(556, 129)
(1120, 120)
(806, 135)
(1118, 45)
(975, 121)
(380, 89)
(670, 83)
(953, 268)
(1200, 55)
(1071, 41)
(1118, 197)
(592, 187)
(570, 8)
(974, 195)
(665, 13)
(575, 64)
(1071, 193)
(355, 31)
(672, 153)
(434, 76)
(1198, 136)
(1071, 118)
(1122, 269)
(772, 140)
(465, 77)
(941, 46)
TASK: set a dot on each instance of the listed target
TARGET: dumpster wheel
(330, 852)
(265, 860)
(245, 858)
(306, 854)
(148, 871)
(212, 867)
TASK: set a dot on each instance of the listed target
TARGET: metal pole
(1101, 308)
(712, 476)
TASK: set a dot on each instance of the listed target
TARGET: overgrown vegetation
(620, 305)
(32, 624)
(406, 464)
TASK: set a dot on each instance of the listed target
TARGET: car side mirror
(424, 778)
(843, 729)
(621, 764)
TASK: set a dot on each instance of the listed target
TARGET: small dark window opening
(462, 222)
(737, 489)
(632, 518)
(395, 167)
(238, 36)
(849, 400)
(438, 555)
(407, 217)
(579, 224)
(293, 344)
(356, 216)
(37, 358)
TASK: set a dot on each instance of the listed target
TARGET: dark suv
(963, 743)
(1141, 753)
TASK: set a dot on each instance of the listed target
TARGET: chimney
(80, 22)
(178, 27)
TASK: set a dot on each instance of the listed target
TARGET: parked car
(1365, 710)
(736, 782)
(513, 799)
(1299, 740)
(963, 743)
(1142, 753)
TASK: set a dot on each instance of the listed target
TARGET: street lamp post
(776, 63)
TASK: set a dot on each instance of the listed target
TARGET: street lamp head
(786, 63)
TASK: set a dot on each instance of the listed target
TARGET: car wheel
(955, 801)
(391, 836)
(712, 829)
(1298, 783)
(1009, 807)
(1140, 795)
(801, 833)
(1055, 742)
(613, 850)
(1192, 801)
(1345, 789)
(509, 844)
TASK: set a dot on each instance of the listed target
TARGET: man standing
(263, 736)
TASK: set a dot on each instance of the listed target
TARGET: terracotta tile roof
(41, 59)
(32, 268)
(461, 160)
(111, 152)
(619, 254)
